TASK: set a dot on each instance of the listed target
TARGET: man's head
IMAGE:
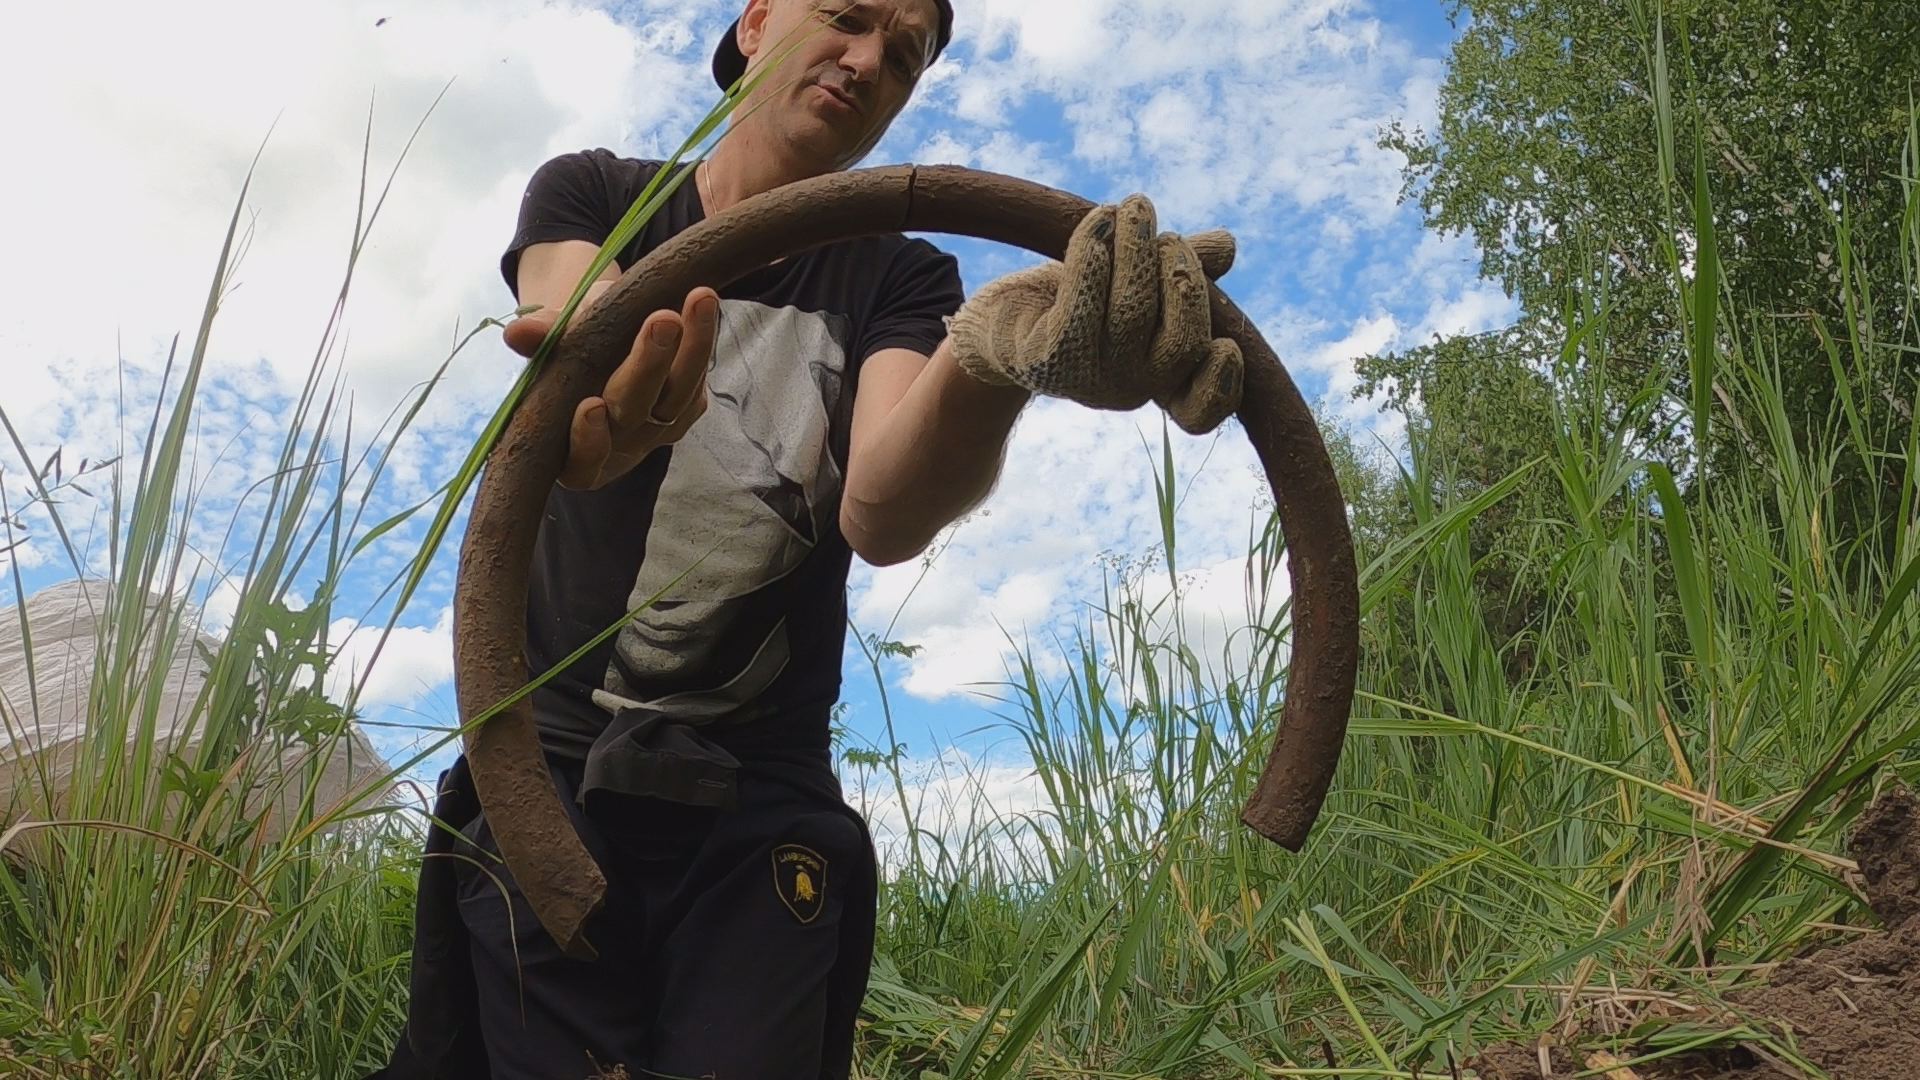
(846, 69)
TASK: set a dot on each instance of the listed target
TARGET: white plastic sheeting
(40, 736)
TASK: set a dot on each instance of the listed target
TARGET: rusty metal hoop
(537, 840)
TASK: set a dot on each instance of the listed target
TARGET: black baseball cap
(729, 63)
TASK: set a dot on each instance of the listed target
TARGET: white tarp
(38, 744)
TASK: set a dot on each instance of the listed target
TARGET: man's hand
(1123, 321)
(651, 399)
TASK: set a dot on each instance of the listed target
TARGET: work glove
(1122, 321)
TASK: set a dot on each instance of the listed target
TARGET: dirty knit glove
(1123, 321)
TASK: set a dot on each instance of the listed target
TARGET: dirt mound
(1886, 843)
(1849, 1009)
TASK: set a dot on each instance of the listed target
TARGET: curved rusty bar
(546, 857)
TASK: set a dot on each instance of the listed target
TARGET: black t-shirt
(734, 531)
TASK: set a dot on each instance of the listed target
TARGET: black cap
(729, 63)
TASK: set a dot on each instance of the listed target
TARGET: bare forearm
(935, 456)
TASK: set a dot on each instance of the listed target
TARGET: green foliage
(1569, 796)
(190, 904)
(1619, 702)
(1698, 677)
(1545, 152)
(1479, 409)
(1577, 144)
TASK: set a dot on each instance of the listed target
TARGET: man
(750, 444)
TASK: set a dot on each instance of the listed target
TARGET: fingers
(667, 364)
(524, 334)
(651, 399)
(1216, 248)
(1214, 392)
(589, 445)
(635, 385)
(1071, 334)
(686, 379)
(1134, 305)
(694, 409)
(1186, 323)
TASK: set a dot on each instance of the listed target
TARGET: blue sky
(1256, 115)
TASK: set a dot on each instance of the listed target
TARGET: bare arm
(655, 394)
(548, 273)
(927, 445)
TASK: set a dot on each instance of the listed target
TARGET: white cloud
(1259, 115)
(221, 602)
(142, 137)
(957, 796)
(1365, 336)
(143, 124)
(1076, 494)
(1220, 612)
(1001, 152)
(1475, 309)
(968, 633)
(413, 661)
(29, 555)
(1222, 109)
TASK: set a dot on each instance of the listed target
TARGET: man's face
(846, 69)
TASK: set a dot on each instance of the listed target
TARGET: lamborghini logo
(800, 877)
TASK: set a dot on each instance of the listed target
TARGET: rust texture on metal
(559, 877)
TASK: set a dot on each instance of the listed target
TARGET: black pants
(733, 944)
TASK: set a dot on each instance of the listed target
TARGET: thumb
(524, 334)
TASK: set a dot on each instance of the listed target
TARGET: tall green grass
(201, 898)
(1639, 795)
(1642, 794)
(196, 901)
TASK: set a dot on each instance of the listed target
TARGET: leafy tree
(1479, 409)
(1548, 155)
(1546, 152)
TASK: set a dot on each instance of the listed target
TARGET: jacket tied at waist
(649, 754)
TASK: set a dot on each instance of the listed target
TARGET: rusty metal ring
(562, 883)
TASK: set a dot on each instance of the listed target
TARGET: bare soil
(1851, 1009)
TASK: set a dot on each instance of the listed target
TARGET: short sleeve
(567, 199)
(921, 288)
